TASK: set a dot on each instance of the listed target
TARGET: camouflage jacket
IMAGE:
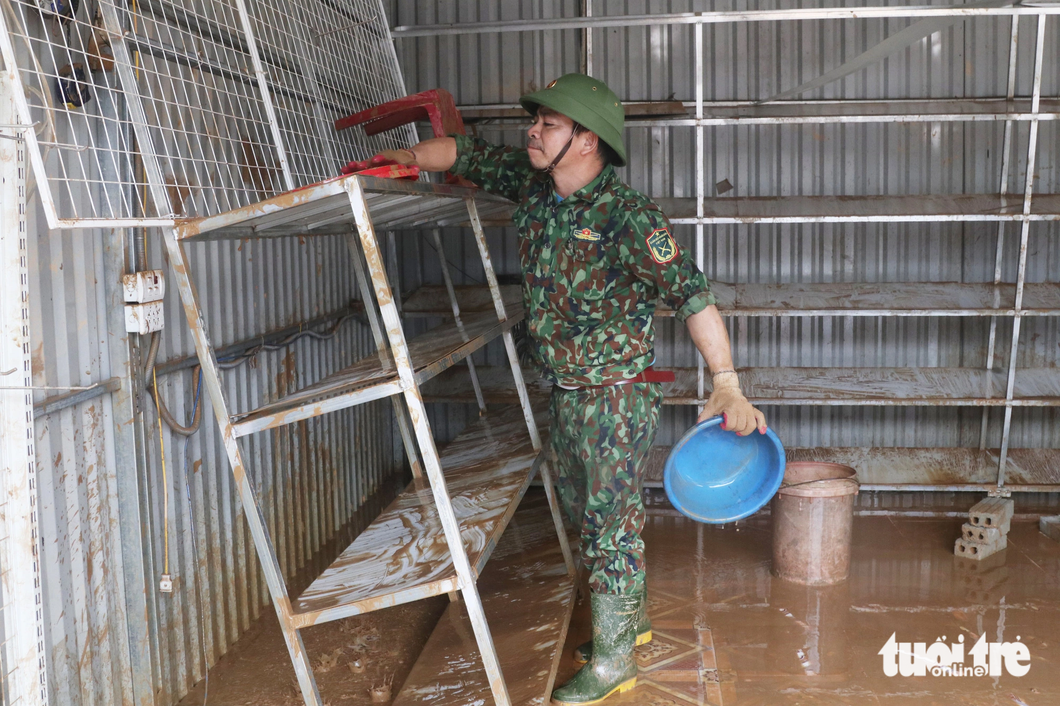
(593, 265)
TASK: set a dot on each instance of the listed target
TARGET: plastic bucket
(813, 515)
(715, 476)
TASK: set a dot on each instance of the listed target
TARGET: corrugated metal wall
(311, 477)
(113, 638)
(81, 553)
(753, 61)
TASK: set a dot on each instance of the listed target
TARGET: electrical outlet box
(144, 318)
(165, 584)
(143, 287)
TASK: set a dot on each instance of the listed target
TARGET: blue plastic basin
(715, 476)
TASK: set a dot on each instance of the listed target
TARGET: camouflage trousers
(600, 440)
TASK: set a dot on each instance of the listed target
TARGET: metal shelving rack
(215, 121)
(438, 535)
(887, 386)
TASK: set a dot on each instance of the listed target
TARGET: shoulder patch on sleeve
(662, 245)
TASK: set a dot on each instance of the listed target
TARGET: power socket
(143, 287)
(165, 584)
(144, 318)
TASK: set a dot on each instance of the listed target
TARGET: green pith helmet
(588, 102)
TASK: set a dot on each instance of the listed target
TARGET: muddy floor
(727, 632)
(349, 657)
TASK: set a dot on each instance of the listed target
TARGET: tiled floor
(727, 632)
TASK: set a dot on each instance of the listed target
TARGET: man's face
(547, 135)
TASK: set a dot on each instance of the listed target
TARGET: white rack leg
(520, 384)
(252, 510)
(700, 193)
(546, 473)
(999, 253)
(431, 462)
(1021, 270)
(437, 236)
(384, 353)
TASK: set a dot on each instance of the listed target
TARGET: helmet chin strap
(552, 165)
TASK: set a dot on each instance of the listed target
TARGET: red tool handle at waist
(650, 374)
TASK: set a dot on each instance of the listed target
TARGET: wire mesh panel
(148, 110)
(195, 75)
(325, 60)
(83, 138)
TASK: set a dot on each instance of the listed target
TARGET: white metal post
(588, 38)
(266, 93)
(999, 253)
(700, 189)
(1021, 272)
(384, 354)
(429, 452)
(22, 656)
(520, 384)
(14, 89)
(436, 235)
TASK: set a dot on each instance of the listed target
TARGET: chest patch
(587, 235)
(662, 246)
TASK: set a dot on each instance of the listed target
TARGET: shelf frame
(816, 387)
(487, 512)
(839, 299)
(1024, 216)
(1021, 271)
(348, 205)
(905, 469)
(810, 112)
(720, 17)
(375, 377)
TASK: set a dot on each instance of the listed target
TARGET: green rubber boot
(584, 652)
(612, 667)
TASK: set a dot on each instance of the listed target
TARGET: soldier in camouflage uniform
(596, 256)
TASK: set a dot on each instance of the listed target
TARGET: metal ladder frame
(415, 429)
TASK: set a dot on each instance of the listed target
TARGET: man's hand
(437, 154)
(727, 400)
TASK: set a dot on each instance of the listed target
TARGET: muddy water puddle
(727, 632)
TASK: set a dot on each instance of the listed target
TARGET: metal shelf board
(369, 379)
(900, 387)
(883, 299)
(454, 386)
(433, 300)
(800, 299)
(920, 208)
(818, 112)
(917, 468)
(946, 387)
(528, 597)
(862, 209)
(797, 112)
(402, 555)
(717, 17)
(325, 208)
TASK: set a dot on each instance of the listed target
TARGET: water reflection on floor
(727, 632)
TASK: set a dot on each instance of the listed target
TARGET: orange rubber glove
(727, 400)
